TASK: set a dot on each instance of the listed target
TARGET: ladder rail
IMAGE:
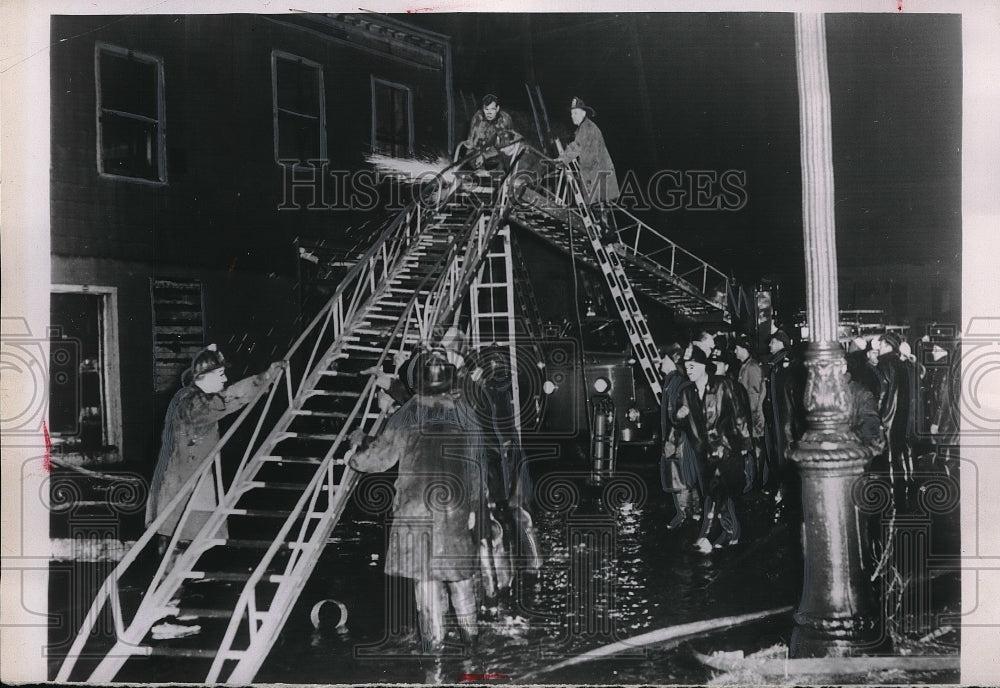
(491, 284)
(623, 297)
(460, 275)
(433, 315)
(110, 586)
(387, 250)
(642, 246)
(210, 466)
(526, 291)
(344, 310)
(306, 542)
(643, 241)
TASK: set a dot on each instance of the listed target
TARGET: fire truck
(599, 397)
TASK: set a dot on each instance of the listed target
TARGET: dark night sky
(717, 91)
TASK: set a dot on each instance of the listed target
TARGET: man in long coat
(438, 508)
(751, 376)
(596, 168)
(682, 427)
(191, 431)
(727, 426)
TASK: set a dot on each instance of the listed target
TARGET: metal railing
(310, 355)
(636, 240)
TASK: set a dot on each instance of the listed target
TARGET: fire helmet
(207, 360)
(431, 373)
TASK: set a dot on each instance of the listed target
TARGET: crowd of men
(730, 420)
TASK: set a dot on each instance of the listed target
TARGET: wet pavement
(612, 571)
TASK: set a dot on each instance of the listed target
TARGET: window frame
(411, 131)
(161, 112)
(321, 118)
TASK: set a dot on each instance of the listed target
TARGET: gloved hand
(275, 369)
(357, 437)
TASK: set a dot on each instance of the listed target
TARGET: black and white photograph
(500, 343)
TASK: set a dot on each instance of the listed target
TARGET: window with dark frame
(299, 109)
(130, 115)
(392, 119)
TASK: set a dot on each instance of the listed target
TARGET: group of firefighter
(729, 421)
(461, 519)
(461, 512)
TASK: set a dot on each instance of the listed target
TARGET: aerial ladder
(240, 576)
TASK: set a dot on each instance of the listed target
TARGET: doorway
(84, 397)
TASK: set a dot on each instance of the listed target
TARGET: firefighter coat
(439, 503)
(596, 168)
(190, 432)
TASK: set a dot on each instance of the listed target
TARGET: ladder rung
(232, 576)
(275, 485)
(203, 613)
(292, 459)
(330, 393)
(240, 543)
(163, 651)
(225, 576)
(422, 292)
(262, 513)
(324, 414)
(312, 436)
(311, 460)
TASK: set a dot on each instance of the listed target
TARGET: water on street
(612, 571)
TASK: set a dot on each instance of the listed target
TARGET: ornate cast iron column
(834, 617)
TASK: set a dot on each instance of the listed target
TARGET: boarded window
(299, 109)
(178, 329)
(130, 128)
(392, 119)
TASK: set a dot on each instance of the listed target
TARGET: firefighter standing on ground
(438, 509)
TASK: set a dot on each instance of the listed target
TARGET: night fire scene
(577, 348)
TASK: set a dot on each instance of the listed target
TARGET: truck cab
(594, 371)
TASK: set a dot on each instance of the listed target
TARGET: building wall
(217, 220)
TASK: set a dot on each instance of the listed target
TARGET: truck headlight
(601, 385)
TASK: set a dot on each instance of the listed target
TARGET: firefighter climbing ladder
(240, 576)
